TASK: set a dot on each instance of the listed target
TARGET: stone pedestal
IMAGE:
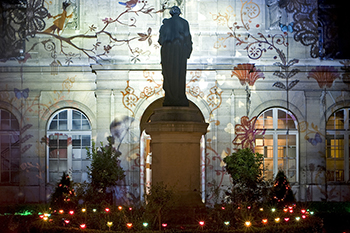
(175, 145)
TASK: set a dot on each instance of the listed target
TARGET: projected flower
(247, 73)
(245, 133)
(324, 75)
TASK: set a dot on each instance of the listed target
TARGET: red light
(120, 207)
(71, 212)
(129, 225)
(286, 219)
(303, 211)
(83, 226)
(303, 216)
(66, 221)
(107, 209)
(222, 207)
(130, 208)
(41, 216)
(291, 211)
(164, 225)
(290, 207)
(201, 223)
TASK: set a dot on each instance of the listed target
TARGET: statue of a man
(176, 42)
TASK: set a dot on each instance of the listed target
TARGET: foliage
(64, 195)
(281, 192)
(159, 201)
(105, 169)
(246, 171)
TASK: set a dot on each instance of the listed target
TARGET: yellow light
(264, 221)
(277, 219)
(285, 210)
(273, 209)
(297, 219)
(83, 210)
(45, 218)
(261, 209)
(94, 210)
(129, 225)
(120, 207)
(61, 211)
(109, 224)
(247, 223)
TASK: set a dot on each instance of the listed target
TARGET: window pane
(85, 124)
(268, 121)
(339, 119)
(63, 115)
(76, 165)
(62, 125)
(86, 140)
(76, 124)
(53, 125)
(76, 115)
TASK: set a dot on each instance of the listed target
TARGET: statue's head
(175, 10)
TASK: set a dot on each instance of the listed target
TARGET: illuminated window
(279, 144)
(69, 134)
(9, 148)
(337, 142)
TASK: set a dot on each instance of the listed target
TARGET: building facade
(269, 75)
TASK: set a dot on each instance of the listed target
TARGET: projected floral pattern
(324, 75)
(247, 73)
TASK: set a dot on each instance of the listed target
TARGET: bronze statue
(176, 42)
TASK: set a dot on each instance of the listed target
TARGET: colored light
(109, 224)
(277, 219)
(303, 211)
(45, 218)
(247, 223)
(71, 212)
(66, 221)
(297, 219)
(291, 211)
(311, 212)
(61, 211)
(222, 207)
(285, 210)
(286, 219)
(303, 216)
(227, 223)
(261, 209)
(201, 223)
(83, 210)
(145, 224)
(120, 207)
(130, 208)
(94, 210)
(290, 207)
(129, 225)
(107, 210)
(83, 226)
(164, 224)
(273, 209)
(41, 216)
(264, 221)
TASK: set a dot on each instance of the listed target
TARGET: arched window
(279, 144)
(337, 141)
(9, 148)
(69, 134)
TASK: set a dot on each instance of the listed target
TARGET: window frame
(275, 132)
(70, 133)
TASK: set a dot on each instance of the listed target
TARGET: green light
(24, 213)
(227, 223)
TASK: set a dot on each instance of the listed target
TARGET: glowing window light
(120, 207)
(66, 221)
(286, 219)
(145, 224)
(277, 220)
(201, 223)
(264, 221)
(107, 210)
(71, 212)
(227, 223)
(247, 223)
(61, 211)
(82, 226)
(297, 219)
(129, 225)
(109, 224)
(273, 209)
(83, 210)
(164, 224)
